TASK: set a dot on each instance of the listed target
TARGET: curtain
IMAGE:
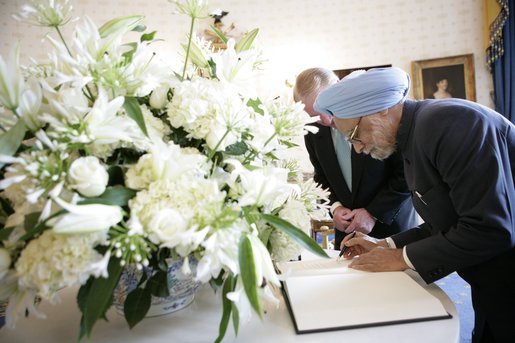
(501, 58)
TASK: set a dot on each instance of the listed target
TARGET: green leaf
(248, 273)
(226, 306)
(5, 233)
(11, 140)
(136, 305)
(246, 41)
(294, 232)
(127, 55)
(97, 297)
(122, 23)
(116, 176)
(238, 148)
(117, 196)
(31, 220)
(220, 34)
(254, 103)
(148, 36)
(158, 284)
(132, 108)
(235, 318)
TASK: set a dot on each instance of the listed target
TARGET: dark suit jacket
(459, 162)
(378, 186)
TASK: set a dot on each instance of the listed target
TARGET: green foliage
(248, 273)
(295, 233)
(11, 140)
(117, 195)
(131, 106)
(96, 296)
(246, 41)
(137, 305)
(122, 23)
(227, 307)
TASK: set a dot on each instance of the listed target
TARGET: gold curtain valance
(496, 14)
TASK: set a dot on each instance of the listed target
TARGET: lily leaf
(227, 307)
(246, 42)
(137, 305)
(254, 103)
(147, 36)
(248, 273)
(112, 26)
(294, 232)
(220, 34)
(11, 140)
(131, 105)
(95, 298)
(117, 196)
(5, 232)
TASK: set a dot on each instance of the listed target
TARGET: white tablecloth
(199, 323)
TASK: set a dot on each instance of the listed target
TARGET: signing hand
(380, 259)
(360, 244)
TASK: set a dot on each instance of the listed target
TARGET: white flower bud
(5, 262)
(159, 98)
(88, 176)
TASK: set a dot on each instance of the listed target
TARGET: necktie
(343, 153)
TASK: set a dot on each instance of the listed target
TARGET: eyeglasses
(352, 139)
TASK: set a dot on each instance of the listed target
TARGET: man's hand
(380, 260)
(338, 218)
(360, 220)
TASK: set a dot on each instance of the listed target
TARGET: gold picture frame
(447, 77)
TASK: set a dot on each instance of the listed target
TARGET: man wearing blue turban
(366, 195)
(459, 161)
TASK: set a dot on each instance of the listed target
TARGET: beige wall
(296, 34)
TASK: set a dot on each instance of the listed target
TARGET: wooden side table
(323, 227)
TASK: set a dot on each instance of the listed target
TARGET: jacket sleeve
(467, 189)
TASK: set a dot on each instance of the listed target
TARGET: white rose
(88, 176)
(5, 262)
(159, 97)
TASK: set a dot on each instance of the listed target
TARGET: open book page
(320, 266)
(325, 294)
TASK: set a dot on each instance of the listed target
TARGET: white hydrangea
(208, 109)
(193, 202)
(54, 261)
(166, 162)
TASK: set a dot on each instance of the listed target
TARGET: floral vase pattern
(182, 288)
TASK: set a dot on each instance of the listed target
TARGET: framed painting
(341, 73)
(447, 77)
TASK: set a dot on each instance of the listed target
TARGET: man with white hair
(459, 161)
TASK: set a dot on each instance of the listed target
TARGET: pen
(344, 249)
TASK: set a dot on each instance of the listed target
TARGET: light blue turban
(364, 92)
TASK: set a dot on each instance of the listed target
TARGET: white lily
(11, 80)
(192, 8)
(51, 13)
(85, 218)
(30, 102)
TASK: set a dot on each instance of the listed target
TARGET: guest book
(325, 294)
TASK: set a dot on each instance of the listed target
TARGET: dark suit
(378, 186)
(459, 160)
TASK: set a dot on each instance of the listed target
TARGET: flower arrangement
(109, 158)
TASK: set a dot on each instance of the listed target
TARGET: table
(199, 323)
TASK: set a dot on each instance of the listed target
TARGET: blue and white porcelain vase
(182, 288)
(3, 310)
